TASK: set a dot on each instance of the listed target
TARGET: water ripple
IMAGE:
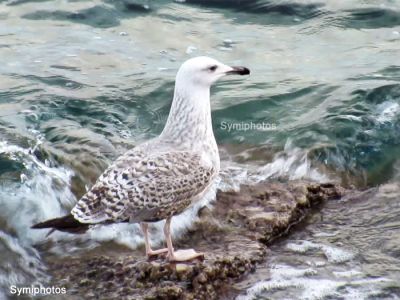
(371, 18)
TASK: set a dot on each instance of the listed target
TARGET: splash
(23, 265)
(387, 111)
(42, 192)
(291, 164)
(333, 254)
(313, 288)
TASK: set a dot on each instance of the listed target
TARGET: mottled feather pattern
(142, 186)
(164, 176)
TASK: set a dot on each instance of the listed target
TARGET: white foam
(333, 254)
(337, 255)
(190, 49)
(23, 265)
(232, 176)
(36, 197)
(387, 111)
(311, 283)
(347, 274)
(285, 272)
(291, 163)
(44, 192)
(284, 277)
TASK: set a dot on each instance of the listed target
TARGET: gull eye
(213, 68)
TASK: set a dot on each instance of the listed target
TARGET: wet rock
(234, 234)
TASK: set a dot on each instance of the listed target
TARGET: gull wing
(140, 187)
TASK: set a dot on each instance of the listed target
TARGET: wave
(369, 18)
(42, 191)
(308, 286)
(106, 15)
(291, 163)
(24, 266)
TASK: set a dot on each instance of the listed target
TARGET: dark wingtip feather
(67, 224)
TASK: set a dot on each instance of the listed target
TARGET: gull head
(204, 71)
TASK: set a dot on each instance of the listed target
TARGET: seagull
(164, 176)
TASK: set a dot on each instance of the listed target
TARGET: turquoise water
(82, 81)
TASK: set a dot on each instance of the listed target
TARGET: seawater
(83, 81)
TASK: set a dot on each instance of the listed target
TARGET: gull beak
(238, 71)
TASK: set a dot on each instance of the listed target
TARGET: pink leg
(180, 255)
(149, 251)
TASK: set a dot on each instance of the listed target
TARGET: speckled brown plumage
(145, 187)
(164, 176)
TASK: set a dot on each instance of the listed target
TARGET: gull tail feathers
(67, 224)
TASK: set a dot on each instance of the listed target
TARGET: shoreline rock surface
(234, 236)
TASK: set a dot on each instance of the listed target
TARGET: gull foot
(151, 253)
(184, 255)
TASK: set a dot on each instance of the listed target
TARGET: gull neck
(189, 121)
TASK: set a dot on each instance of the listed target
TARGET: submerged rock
(233, 235)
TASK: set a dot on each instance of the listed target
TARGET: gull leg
(180, 255)
(149, 251)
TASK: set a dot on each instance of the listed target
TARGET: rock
(234, 236)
